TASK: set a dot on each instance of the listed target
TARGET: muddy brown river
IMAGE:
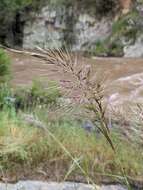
(124, 77)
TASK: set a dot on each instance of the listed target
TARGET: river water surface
(123, 77)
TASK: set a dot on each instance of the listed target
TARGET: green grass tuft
(4, 66)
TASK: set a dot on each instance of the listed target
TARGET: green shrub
(105, 7)
(99, 7)
(127, 26)
(45, 94)
(108, 48)
(4, 66)
(115, 49)
(101, 49)
(29, 98)
(37, 95)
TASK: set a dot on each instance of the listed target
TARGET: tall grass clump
(63, 150)
(4, 66)
(6, 97)
(5, 74)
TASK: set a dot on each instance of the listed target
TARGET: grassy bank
(60, 150)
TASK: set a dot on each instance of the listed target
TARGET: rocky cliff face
(54, 27)
(81, 28)
(118, 35)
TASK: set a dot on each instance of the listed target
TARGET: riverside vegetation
(54, 145)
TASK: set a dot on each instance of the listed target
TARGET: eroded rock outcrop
(135, 50)
(53, 27)
(83, 26)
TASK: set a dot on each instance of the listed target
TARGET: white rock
(49, 26)
(37, 185)
(135, 50)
